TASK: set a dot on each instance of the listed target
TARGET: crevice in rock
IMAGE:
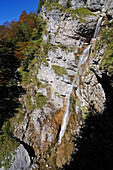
(109, 16)
(93, 10)
(59, 129)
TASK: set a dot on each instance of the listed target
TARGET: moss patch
(107, 59)
(106, 40)
(60, 71)
(28, 102)
(40, 100)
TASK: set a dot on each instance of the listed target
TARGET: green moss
(35, 80)
(32, 64)
(107, 59)
(85, 112)
(28, 102)
(60, 71)
(53, 5)
(40, 100)
(18, 118)
(24, 75)
(106, 39)
(57, 31)
(37, 83)
(79, 13)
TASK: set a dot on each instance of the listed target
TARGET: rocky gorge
(74, 69)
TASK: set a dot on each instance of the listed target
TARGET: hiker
(80, 42)
(83, 41)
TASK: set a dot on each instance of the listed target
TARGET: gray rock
(96, 5)
(63, 2)
(72, 3)
(77, 4)
(110, 10)
(67, 30)
(22, 159)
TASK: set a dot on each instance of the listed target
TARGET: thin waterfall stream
(84, 56)
(82, 61)
(66, 115)
(97, 30)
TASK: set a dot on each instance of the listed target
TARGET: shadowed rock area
(94, 146)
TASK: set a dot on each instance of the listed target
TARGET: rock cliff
(51, 81)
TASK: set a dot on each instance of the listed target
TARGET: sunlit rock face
(21, 159)
(72, 3)
(41, 126)
(103, 5)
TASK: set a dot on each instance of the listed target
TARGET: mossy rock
(40, 100)
(107, 58)
(60, 71)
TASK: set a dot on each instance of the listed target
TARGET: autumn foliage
(18, 42)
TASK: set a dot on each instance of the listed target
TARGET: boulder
(22, 159)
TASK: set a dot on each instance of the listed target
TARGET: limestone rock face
(103, 5)
(41, 126)
(63, 2)
(22, 159)
(73, 3)
(65, 30)
(77, 4)
(110, 10)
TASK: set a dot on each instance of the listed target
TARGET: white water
(66, 115)
(84, 56)
(98, 27)
(82, 61)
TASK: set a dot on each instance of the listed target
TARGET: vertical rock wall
(41, 126)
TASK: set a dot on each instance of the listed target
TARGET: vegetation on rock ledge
(60, 71)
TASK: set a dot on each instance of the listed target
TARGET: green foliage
(107, 58)
(20, 43)
(35, 80)
(28, 102)
(40, 100)
(37, 83)
(7, 146)
(24, 75)
(8, 64)
(17, 118)
(60, 71)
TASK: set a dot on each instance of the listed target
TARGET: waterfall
(66, 115)
(84, 56)
(82, 61)
(98, 27)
